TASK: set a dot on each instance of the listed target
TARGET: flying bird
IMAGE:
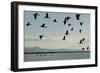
(83, 48)
(80, 42)
(64, 38)
(47, 16)
(80, 30)
(67, 18)
(67, 32)
(81, 23)
(28, 24)
(43, 26)
(72, 29)
(55, 20)
(83, 39)
(35, 15)
(78, 16)
(69, 25)
(87, 47)
(41, 36)
(64, 22)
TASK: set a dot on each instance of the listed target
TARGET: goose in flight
(43, 26)
(83, 48)
(55, 20)
(67, 32)
(40, 36)
(64, 38)
(28, 24)
(35, 15)
(69, 25)
(80, 42)
(72, 29)
(66, 19)
(81, 23)
(47, 16)
(80, 30)
(78, 16)
(87, 47)
(83, 39)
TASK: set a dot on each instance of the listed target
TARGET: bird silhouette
(78, 16)
(67, 18)
(40, 36)
(80, 30)
(87, 47)
(47, 16)
(35, 15)
(64, 22)
(83, 39)
(81, 23)
(83, 48)
(69, 25)
(55, 20)
(80, 42)
(28, 24)
(64, 38)
(67, 32)
(43, 26)
(72, 29)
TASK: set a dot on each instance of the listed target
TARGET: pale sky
(54, 32)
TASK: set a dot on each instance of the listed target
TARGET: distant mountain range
(38, 49)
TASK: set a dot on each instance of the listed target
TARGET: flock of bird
(66, 19)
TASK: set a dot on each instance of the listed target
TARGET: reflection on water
(56, 56)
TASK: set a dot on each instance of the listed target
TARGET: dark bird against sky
(83, 39)
(67, 18)
(66, 32)
(80, 30)
(69, 25)
(43, 26)
(87, 47)
(72, 29)
(64, 38)
(78, 16)
(41, 36)
(55, 20)
(64, 22)
(83, 48)
(47, 16)
(35, 15)
(80, 42)
(28, 24)
(81, 23)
